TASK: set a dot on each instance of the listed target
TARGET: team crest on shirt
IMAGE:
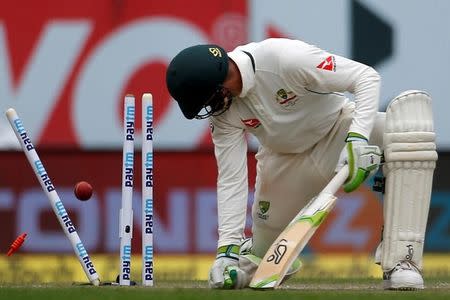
(263, 209)
(286, 98)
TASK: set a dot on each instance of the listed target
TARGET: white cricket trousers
(286, 182)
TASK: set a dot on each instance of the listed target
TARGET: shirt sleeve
(322, 72)
(230, 148)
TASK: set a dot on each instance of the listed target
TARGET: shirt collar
(244, 65)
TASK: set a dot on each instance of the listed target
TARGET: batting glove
(363, 160)
(225, 272)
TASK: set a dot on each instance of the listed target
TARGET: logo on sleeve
(254, 123)
(328, 64)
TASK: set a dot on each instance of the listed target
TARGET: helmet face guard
(217, 104)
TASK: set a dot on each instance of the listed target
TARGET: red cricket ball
(83, 190)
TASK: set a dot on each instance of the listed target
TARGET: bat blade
(291, 242)
(288, 245)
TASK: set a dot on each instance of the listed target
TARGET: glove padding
(225, 272)
(363, 160)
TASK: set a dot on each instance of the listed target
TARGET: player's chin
(226, 106)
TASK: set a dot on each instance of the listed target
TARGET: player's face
(217, 104)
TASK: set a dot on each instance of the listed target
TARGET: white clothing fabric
(291, 103)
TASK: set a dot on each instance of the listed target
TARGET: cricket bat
(288, 245)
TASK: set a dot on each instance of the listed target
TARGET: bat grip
(337, 181)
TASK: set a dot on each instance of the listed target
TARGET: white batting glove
(363, 160)
(225, 272)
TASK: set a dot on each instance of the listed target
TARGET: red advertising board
(184, 201)
(66, 65)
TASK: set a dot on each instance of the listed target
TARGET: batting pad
(410, 159)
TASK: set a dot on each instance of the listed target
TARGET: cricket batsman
(289, 95)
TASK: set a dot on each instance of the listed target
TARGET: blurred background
(65, 67)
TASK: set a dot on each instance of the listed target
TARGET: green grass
(347, 289)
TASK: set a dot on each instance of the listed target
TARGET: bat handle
(338, 180)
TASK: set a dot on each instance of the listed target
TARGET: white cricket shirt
(290, 102)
